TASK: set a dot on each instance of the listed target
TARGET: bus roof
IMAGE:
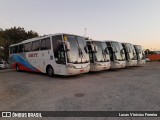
(111, 41)
(125, 43)
(96, 41)
(138, 45)
(42, 37)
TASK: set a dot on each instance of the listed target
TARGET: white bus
(141, 59)
(61, 54)
(130, 54)
(99, 55)
(117, 54)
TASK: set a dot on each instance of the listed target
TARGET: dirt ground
(129, 89)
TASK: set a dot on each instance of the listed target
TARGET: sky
(132, 21)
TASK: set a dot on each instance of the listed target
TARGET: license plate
(81, 70)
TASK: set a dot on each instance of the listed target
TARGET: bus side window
(45, 44)
(15, 49)
(27, 47)
(21, 48)
(36, 45)
(58, 49)
(11, 50)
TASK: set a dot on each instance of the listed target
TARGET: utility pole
(85, 32)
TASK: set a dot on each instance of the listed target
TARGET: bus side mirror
(134, 53)
(128, 50)
(92, 47)
(68, 47)
(122, 51)
(114, 49)
(106, 50)
(86, 49)
(95, 48)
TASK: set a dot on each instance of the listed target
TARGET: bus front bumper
(99, 66)
(141, 62)
(118, 64)
(78, 69)
(131, 63)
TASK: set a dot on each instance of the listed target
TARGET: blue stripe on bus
(23, 61)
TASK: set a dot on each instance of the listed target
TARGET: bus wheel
(50, 71)
(17, 68)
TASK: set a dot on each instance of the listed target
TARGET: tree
(12, 36)
(2, 44)
(147, 51)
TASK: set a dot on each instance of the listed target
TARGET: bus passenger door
(59, 54)
(61, 61)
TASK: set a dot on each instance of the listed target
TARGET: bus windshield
(119, 55)
(140, 52)
(76, 54)
(132, 52)
(101, 55)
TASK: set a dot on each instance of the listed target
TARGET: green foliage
(12, 36)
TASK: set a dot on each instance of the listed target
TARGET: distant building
(157, 52)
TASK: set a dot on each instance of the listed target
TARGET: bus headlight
(88, 65)
(116, 62)
(99, 64)
(70, 66)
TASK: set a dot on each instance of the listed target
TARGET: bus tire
(17, 68)
(50, 71)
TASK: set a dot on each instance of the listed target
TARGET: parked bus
(141, 59)
(117, 55)
(130, 54)
(99, 55)
(61, 54)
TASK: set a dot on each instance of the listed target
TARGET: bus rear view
(117, 55)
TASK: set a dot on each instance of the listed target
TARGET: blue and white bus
(61, 54)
